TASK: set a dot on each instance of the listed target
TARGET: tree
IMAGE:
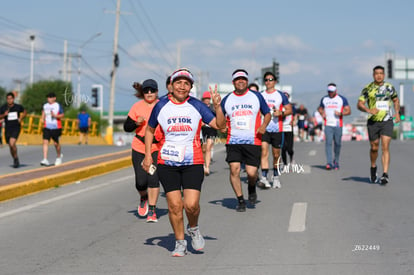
(3, 93)
(35, 96)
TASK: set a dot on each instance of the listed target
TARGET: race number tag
(331, 121)
(301, 117)
(382, 105)
(173, 152)
(12, 116)
(243, 123)
(287, 128)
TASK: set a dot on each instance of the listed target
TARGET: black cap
(51, 94)
(150, 83)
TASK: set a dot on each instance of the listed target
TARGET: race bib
(301, 117)
(287, 128)
(243, 123)
(382, 105)
(12, 116)
(331, 122)
(172, 152)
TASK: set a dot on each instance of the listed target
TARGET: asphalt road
(319, 222)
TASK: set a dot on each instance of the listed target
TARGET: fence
(33, 124)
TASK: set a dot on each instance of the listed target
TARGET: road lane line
(297, 222)
(34, 205)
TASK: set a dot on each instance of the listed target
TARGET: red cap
(206, 95)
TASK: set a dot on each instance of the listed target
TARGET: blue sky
(315, 42)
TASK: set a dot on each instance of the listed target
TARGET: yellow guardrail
(32, 124)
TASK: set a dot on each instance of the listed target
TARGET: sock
(275, 172)
(152, 207)
(264, 172)
(251, 188)
(145, 197)
(240, 199)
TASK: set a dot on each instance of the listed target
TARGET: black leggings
(143, 180)
(287, 146)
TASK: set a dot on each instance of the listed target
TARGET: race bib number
(12, 116)
(331, 122)
(301, 117)
(243, 123)
(382, 105)
(287, 128)
(173, 152)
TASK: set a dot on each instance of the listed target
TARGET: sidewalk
(80, 162)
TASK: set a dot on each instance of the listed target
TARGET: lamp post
(78, 92)
(32, 38)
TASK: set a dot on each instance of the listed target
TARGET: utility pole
(115, 63)
(32, 38)
(65, 59)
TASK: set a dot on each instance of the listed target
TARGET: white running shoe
(276, 182)
(44, 162)
(180, 248)
(58, 161)
(265, 182)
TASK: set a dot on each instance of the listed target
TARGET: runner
(180, 161)
(288, 139)
(147, 185)
(332, 108)
(209, 136)
(243, 108)
(379, 96)
(280, 107)
(13, 114)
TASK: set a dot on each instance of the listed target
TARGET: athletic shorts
(11, 133)
(276, 139)
(318, 126)
(301, 124)
(247, 153)
(379, 128)
(143, 180)
(180, 177)
(52, 134)
(84, 130)
(208, 132)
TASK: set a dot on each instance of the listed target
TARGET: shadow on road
(358, 179)
(168, 242)
(231, 203)
(160, 212)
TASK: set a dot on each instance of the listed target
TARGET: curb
(40, 184)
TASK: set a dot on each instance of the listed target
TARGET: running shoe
(336, 165)
(253, 198)
(197, 240)
(328, 166)
(16, 163)
(276, 182)
(241, 207)
(58, 161)
(180, 248)
(143, 208)
(384, 179)
(152, 216)
(44, 162)
(264, 183)
(374, 177)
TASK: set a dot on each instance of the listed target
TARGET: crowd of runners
(175, 135)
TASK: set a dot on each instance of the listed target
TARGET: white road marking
(312, 153)
(297, 222)
(62, 197)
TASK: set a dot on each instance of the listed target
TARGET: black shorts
(52, 134)
(208, 132)
(84, 130)
(180, 177)
(318, 126)
(276, 139)
(379, 128)
(143, 180)
(11, 133)
(247, 153)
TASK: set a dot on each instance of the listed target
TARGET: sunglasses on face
(149, 90)
(269, 79)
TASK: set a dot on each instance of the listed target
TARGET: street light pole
(32, 38)
(78, 92)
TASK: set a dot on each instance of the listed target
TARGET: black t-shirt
(302, 113)
(12, 119)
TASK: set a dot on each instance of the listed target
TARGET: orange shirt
(141, 108)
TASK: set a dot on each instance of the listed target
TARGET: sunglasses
(147, 91)
(269, 79)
